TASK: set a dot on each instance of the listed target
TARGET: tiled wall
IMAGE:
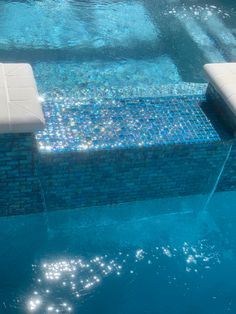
(34, 178)
(72, 180)
(19, 184)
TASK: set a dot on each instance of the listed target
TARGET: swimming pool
(122, 259)
(85, 49)
(127, 121)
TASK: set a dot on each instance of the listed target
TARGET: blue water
(90, 48)
(122, 259)
(125, 258)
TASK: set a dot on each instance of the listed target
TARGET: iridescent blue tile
(124, 123)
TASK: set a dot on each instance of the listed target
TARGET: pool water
(83, 49)
(126, 258)
(153, 257)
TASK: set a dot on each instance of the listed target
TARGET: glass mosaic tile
(125, 123)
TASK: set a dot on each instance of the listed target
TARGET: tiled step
(79, 95)
(126, 123)
(72, 77)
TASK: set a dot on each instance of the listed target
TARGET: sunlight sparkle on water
(61, 282)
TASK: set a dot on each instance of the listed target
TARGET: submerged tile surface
(125, 123)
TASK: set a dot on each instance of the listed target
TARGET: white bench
(222, 76)
(20, 107)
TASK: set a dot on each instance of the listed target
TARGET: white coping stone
(222, 77)
(20, 107)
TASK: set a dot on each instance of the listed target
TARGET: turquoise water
(125, 258)
(88, 48)
(122, 259)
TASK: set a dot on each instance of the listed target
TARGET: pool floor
(122, 259)
(116, 44)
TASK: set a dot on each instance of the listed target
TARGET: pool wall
(31, 180)
(106, 177)
(19, 184)
(184, 162)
